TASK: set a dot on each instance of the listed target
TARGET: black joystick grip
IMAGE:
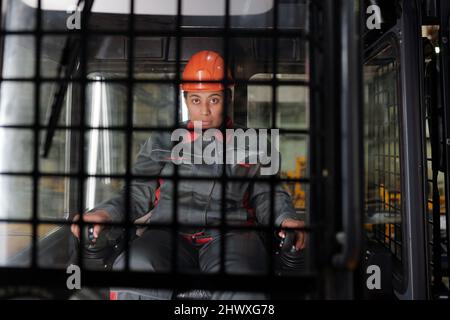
(93, 243)
(89, 234)
(287, 243)
(290, 259)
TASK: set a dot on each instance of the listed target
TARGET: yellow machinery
(296, 190)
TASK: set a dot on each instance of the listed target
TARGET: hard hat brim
(201, 86)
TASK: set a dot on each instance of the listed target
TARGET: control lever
(287, 243)
(100, 243)
(289, 258)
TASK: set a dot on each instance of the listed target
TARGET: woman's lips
(206, 123)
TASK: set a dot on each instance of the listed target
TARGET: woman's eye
(215, 100)
(195, 101)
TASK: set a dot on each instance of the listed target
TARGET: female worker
(247, 202)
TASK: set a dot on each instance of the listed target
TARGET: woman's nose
(204, 109)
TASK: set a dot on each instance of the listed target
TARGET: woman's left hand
(300, 236)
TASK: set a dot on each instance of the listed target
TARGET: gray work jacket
(198, 201)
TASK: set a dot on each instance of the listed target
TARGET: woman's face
(206, 107)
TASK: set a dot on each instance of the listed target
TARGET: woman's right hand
(99, 216)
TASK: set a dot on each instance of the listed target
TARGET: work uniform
(247, 202)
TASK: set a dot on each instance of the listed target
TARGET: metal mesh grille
(71, 126)
(436, 190)
(383, 143)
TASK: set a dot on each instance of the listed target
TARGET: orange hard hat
(203, 67)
